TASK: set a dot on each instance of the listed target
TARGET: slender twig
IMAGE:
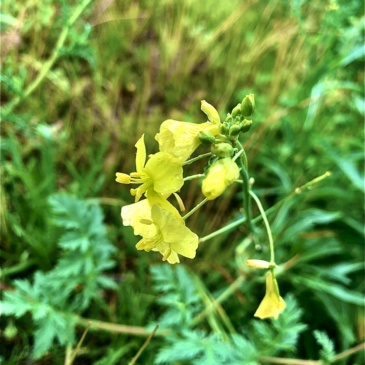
(188, 162)
(240, 221)
(192, 177)
(348, 352)
(187, 215)
(149, 338)
(72, 356)
(141, 331)
(242, 163)
(119, 328)
(340, 356)
(267, 225)
(279, 360)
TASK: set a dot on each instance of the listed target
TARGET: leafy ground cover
(81, 81)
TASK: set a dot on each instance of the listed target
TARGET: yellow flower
(162, 173)
(272, 304)
(181, 139)
(162, 230)
(220, 175)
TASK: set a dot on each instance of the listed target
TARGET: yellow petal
(141, 154)
(137, 215)
(272, 304)
(166, 173)
(210, 112)
(176, 236)
(181, 139)
(220, 175)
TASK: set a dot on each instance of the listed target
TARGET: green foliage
(328, 348)
(189, 343)
(53, 298)
(179, 295)
(125, 66)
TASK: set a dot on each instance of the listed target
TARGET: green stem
(240, 221)
(188, 162)
(192, 177)
(139, 353)
(187, 215)
(267, 225)
(71, 356)
(242, 162)
(50, 62)
(17, 268)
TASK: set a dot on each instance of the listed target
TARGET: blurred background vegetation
(81, 81)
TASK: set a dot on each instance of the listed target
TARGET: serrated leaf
(74, 241)
(43, 338)
(328, 349)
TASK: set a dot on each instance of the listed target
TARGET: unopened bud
(258, 264)
(210, 112)
(246, 125)
(248, 105)
(234, 130)
(221, 174)
(222, 150)
(236, 110)
(206, 137)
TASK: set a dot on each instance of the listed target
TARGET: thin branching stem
(187, 215)
(139, 353)
(71, 356)
(192, 177)
(242, 163)
(338, 357)
(242, 220)
(267, 226)
(188, 162)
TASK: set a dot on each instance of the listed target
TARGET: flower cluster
(159, 176)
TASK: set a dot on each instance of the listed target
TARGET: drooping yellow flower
(220, 175)
(162, 173)
(181, 139)
(272, 304)
(162, 230)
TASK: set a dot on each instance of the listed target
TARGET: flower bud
(246, 125)
(258, 264)
(221, 174)
(234, 130)
(222, 150)
(236, 111)
(210, 112)
(248, 105)
(206, 137)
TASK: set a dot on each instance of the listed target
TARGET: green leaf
(335, 290)
(328, 349)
